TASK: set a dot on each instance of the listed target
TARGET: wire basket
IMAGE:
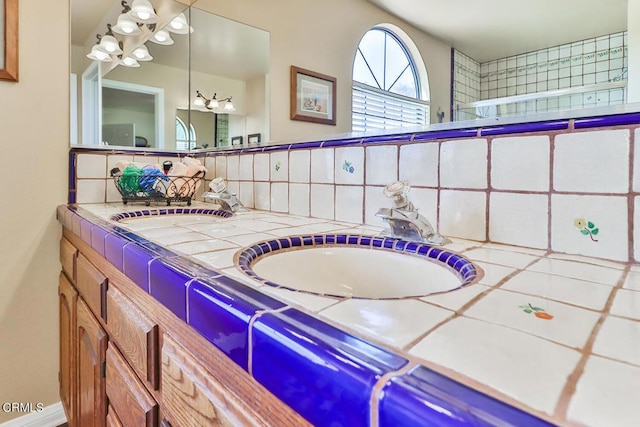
(156, 188)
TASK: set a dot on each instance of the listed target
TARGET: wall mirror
(152, 105)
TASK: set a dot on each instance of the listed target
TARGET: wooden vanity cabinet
(126, 360)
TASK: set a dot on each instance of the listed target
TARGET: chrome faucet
(404, 220)
(219, 195)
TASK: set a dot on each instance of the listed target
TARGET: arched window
(387, 90)
(184, 140)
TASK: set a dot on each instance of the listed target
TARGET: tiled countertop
(555, 335)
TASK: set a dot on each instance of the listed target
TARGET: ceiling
(492, 29)
(484, 30)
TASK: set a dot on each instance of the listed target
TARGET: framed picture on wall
(253, 138)
(313, 96)
(9, 40)
(236, 140)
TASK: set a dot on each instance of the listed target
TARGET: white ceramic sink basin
(357, 271)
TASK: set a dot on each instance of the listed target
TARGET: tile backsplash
(570, 191)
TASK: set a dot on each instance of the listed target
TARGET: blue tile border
(323, 373)
(169, 211)
(525, 127)
(613, 120)
(425, 397)
(461, 266)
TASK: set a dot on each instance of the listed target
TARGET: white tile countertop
(556, 335)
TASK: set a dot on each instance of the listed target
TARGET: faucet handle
(218, 185)
(398, 192)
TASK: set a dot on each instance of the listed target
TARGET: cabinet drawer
(135, 334)
(92, 285)
(68, 254)
(131, 402)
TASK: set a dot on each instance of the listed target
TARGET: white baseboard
(51, 416)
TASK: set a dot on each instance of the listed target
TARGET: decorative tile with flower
(587, 228)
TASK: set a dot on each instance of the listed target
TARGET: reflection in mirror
(113, 104)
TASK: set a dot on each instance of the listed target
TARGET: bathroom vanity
(127, 361)
(538, 330)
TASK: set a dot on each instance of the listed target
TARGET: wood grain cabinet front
(191, 396)
(92, 346)
(68, 254)
(67, 297)
(92, 286)
(131, 402)
(135, 334)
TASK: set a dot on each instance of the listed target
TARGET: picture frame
(253, 138)
(236, 140)
(313, 96)
(9, 40)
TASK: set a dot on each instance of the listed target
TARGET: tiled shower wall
(571, 191)
(585, 62)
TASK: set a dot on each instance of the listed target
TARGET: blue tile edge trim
(614, 120)
(324, 373)
(425, 397)
(170, 211)
(463, 268)
(525, 127)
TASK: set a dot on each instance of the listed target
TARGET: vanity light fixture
(180, 25)
(129, 62)
(142, 11)
(110, 44)
(213, 103)
(142, 54)
(98, 53)
(162, 37)
(125, 24)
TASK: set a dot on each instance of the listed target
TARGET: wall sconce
(213, 103)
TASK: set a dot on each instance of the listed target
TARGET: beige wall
(34, 136)
(323, 36)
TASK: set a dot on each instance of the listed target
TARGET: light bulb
(110, 44)
(199, 102)
(162, 37)
(142, 11)
(229, 106)
(179, 25)
(126, 26)
(129, 62)
(99, 54)
(142, 54)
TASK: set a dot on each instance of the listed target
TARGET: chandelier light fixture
(98, 53)
(213, 103)
(137, 19)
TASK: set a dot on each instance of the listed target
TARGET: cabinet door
(67, 297)
(193, 397)
(91, 352)
(131, 402)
